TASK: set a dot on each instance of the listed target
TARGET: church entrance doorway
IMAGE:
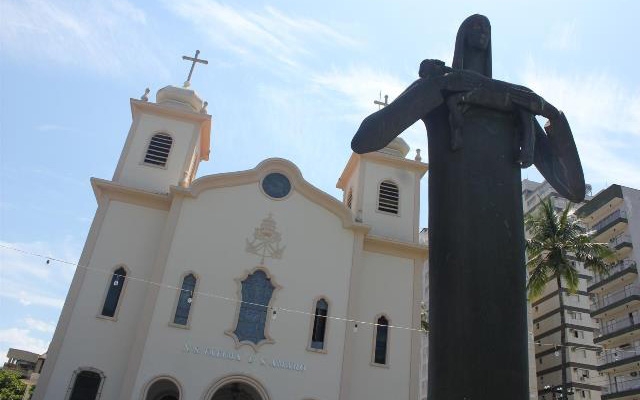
(236, 391)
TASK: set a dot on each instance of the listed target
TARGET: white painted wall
(384, 286)
(211, 234)
(101, 343)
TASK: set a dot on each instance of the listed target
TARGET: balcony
(620, 242)
(615, 357)
(620, 389)
(608, 331)
(616, 217)
(600, 200)
(620, 269)
(615, 299)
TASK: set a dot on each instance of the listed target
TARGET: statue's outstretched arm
(381, 127)
(556, 157)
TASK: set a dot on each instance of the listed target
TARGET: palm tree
(555, 240)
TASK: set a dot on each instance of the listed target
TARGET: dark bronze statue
(481, 132)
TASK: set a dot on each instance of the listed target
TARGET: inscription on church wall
(234, 356)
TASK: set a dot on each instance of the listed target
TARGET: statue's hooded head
(473, 40)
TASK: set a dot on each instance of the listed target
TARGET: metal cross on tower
(194, 60)
(380, 103)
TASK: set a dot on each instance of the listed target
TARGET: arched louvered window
(381, 341)
(185, 299)
(388, 197)
(319, 324)
(86, 385)
(159, 148)
(113, 292)
(349, 197)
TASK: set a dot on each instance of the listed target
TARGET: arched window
(381, 341)
(158, 150)
(113, 292)
(388, 197)
(86, 385)
(256, 295)
(319, 324)
(185, 299)
(163, 388)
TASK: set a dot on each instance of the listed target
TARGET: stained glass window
(256, 295)
(185, 299)
(113, 293)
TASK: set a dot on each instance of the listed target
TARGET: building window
(113, 292)
(388, 197)
(185, 300)
(158, 150)
(319, 324)
(381, 341)
(257, 290)
(349, 197)
(86, 385)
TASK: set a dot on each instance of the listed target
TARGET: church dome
(398, 147)
(177, 97)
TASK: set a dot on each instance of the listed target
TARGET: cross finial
(380, 103)
(194, 60)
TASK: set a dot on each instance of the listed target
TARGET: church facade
(242, 285)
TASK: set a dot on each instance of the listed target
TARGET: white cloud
(29, 280)
(86, 35)
(358, 87)
(20, 339)
(257, 36)
(562, 36)
(38, 325)
(604, 117)
(52, 128)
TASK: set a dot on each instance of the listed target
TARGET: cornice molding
(255, 175)
(382, 158)
(383, 245)
(115, 191)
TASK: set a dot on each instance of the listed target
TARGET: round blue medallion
(276, 185)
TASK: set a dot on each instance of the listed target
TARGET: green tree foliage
(557, 239)
(11, 387)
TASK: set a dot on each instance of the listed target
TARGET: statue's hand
(462, 81)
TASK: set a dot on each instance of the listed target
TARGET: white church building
(247, 285)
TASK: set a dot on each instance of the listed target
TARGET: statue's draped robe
(477, 276)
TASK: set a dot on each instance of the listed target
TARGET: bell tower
(382, 189)
(166, 141)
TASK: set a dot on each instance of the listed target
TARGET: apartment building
(581, 354)
(614, 217)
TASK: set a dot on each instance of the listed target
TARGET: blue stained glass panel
(257, 290)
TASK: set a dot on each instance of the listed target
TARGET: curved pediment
(264, 168)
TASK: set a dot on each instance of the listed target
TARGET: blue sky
(288, 79)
